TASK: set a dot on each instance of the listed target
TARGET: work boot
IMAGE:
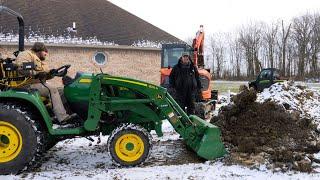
(68, 119)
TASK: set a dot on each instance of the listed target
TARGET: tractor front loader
(125, 109)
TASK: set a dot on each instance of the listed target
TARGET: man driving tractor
(37, 55)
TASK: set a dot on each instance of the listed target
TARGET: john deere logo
(159, 96)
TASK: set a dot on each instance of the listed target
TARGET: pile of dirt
(295, 98)
(265, 133)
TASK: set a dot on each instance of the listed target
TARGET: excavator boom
(197, 45)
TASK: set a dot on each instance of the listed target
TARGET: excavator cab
(170, 55)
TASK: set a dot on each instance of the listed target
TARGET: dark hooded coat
(185, 81)
(185, 78)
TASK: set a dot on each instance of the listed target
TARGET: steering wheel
(61, 71)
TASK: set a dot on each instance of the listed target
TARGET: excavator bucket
(204, 138)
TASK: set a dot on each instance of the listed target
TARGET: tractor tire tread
(130, 126)
(33, 119)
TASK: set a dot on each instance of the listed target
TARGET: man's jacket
(184, 78)
(30, 56)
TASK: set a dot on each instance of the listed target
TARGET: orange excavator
(170, 54)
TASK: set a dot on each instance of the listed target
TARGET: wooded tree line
(292, 47)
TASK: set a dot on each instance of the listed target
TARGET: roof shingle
(99, 18)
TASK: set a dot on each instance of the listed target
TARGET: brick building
(104, 34)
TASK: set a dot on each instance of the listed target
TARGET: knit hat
(184, 54)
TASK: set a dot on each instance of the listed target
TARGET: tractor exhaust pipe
(21, 24)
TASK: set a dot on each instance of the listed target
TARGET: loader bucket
(208, 145)
(201, 136)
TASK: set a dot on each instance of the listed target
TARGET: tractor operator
(37, 55)
(184, 79)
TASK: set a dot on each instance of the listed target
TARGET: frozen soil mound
(266, 134)
(295, 98)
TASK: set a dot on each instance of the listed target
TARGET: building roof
(94, 18)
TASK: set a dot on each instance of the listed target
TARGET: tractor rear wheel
(21, 140)
(129, 145)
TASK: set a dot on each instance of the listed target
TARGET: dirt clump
(265, 133)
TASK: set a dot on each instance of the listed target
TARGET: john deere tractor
(125, 109)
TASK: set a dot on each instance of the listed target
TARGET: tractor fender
(30, 100)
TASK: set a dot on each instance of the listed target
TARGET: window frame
(105, 58)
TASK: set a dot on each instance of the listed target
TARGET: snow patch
(51, 39)
(294, 97)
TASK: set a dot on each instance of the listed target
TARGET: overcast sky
(182, 18)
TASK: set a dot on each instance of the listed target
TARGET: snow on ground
(294, 97)
(75, 159)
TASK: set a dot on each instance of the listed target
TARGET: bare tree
(235, 56)
(219, 55)
(250, 38)
(291, 54)
(315, 45)
(217, 52)
(284, 38)
(294, 48)
(302, 29)
(269, 38)
(212, 47)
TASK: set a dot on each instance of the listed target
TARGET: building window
(100, 58)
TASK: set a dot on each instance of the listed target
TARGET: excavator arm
(197, 45)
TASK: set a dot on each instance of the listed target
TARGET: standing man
(37, 55)
(184, 79)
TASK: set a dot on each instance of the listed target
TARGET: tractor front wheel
(129, 145)
(21, 140)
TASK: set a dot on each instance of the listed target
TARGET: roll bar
(21, 24)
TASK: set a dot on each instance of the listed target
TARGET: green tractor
(125, 109)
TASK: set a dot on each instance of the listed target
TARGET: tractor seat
(66, 80)
(78, 74)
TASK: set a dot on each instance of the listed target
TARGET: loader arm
(157, 104)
